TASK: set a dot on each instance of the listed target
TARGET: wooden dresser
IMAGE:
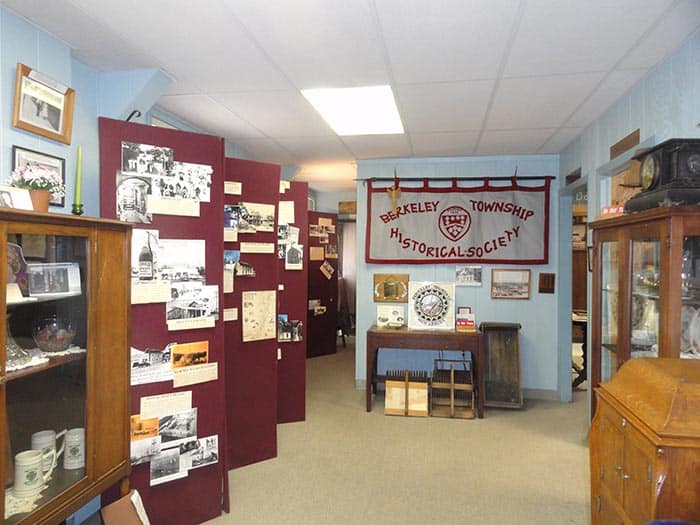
(645, 443)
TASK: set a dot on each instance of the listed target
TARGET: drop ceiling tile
(276, 113)
(267, 150)
(378, 146)
(448, 106)
(513, 142)
(316, 149)
(560, 140)
(206, 113)
(673, 28)
(570, 36)
(613, 87)
(317, 43)
(445, 40)
(539, 102)
(444, 144)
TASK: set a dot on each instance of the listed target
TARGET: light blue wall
(538, 315)
(328, 201)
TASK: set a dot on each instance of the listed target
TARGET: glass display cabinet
(64, 370)
(646, 288)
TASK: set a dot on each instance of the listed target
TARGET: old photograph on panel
(177, 428)
(182, 260)
(132, 192)
(146, 159)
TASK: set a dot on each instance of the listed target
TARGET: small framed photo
(43, 105)
(510, 284)
(391, 288)
(467, 275)
(22, 157)
(18, 198)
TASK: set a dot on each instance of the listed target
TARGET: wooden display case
(646, 288)
(77, 270)
(645, 444)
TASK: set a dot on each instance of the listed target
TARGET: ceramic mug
(45, 440)
(74, 456)
(29, 476)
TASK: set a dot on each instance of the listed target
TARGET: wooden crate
(502, 365)
(452, 389)
(407, 395)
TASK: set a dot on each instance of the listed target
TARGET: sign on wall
(486, 224)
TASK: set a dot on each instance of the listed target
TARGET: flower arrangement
(38, 177)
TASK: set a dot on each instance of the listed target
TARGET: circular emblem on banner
(431, 303)
(454, 222)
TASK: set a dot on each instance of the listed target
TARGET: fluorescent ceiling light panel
(367, 110)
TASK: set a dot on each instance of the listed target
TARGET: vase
(40, 199)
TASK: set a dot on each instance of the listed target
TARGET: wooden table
(406, 339)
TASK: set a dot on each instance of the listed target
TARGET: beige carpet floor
(345, 466)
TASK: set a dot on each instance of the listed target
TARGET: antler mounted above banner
(394, 192)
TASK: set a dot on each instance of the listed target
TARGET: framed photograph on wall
(43, 105)
(390, 288)
(510, 284)
(22, 157)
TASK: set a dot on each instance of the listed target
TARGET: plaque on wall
(431, 306)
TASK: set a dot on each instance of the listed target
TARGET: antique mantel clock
(669, 174)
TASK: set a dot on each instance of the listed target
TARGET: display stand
(291, 368)
(207, 486)
(251, 371)
(323, 290)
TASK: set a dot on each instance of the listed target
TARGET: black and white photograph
(178, 428)
(132, 202)
(510, 284)
(143, 449)
(315, 230)
(53, 279)
(205, 453)
(146, 159)
(294, 257)
(27, 158)
(191, 300)
(261, 217)
(151, 365)
(182, 260)
(42, 105)
(166, 467)
(144, 255)
(195, 176)
(244, 269)
(466, 275)
(244, 223)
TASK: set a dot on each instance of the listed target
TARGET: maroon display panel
(322, 326)
(204, 492)
(251, 367)
(291, 369)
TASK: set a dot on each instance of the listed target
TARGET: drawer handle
(625, 476)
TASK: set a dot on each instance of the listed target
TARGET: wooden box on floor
(502, 365)
(452, 389)
(406, 394)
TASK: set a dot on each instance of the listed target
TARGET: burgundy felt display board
(204, 492)
(251, 367)
(291, 369)
(322, 326)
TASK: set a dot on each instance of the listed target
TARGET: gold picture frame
(391, 287)
(510, 284)
(43, 105)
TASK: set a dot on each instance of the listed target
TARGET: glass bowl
(53, 334)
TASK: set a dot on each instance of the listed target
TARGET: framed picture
(510, 284)
(27, 157)
(43, 105)
(431, 306)
(467, 275)
(18, 198)
(390, 288)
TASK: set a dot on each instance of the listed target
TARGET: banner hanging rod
(516, 177)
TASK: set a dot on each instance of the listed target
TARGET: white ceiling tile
(378, 146)
(444, 144)
(276, 113)
(445, 40)
(512, 142)
(449, 106)
(337, 176)
(317, 43)
(675, 26)
(206, 113)
(560, 140)
(570, 36)
(267, 150)
(316, 149)
(609, 91)
(541, 102)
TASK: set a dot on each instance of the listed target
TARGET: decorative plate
(431, 305)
